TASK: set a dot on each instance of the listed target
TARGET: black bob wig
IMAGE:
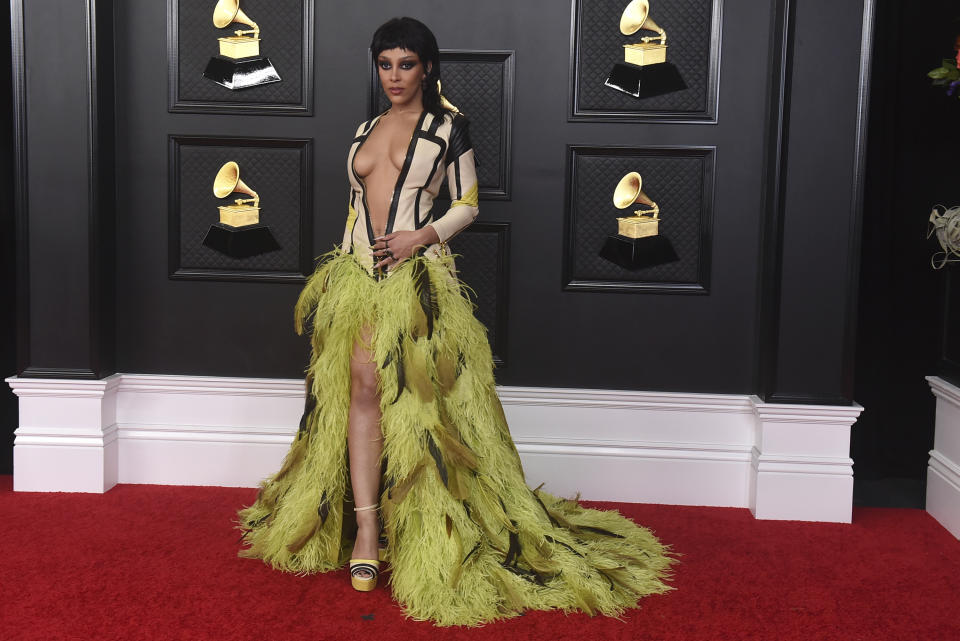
(413, 35)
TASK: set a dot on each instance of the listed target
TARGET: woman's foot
(368, 533)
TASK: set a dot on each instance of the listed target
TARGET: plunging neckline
(398, 184)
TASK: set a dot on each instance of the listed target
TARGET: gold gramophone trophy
(644, 71)
(239, 233)
(644, 222)
(240, 213)
(239, 64)
(637, 242)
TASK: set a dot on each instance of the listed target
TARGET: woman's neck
(399, 112)
(415, 105)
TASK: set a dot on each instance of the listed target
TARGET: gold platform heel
(359, 567)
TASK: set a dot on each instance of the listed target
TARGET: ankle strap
(375, 506)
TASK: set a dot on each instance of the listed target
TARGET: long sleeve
(461, 181)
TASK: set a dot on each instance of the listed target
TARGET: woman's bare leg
(364, 442)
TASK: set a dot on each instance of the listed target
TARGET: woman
(401, 400)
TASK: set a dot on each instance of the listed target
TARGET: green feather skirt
(469, 541)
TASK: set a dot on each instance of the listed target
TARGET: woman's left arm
(461, 181)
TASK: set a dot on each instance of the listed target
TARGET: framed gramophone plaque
(638, 219)
(645, 60)
(480, 84)
(240, 56)
(240, 208)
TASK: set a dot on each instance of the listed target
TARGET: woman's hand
(398, 246)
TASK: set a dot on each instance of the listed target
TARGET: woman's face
(401, 75)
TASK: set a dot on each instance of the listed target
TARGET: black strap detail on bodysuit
(398, 189)
(430, 135)
(456, 174)
(373, 122)
(459, 138)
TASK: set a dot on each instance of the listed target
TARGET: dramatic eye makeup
(405, 64)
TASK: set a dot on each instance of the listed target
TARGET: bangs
(394, 40)
(404, 33)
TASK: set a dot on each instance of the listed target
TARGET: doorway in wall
(913, 147)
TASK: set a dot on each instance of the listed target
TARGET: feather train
(471, 543)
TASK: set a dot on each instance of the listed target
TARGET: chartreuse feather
(470, 542)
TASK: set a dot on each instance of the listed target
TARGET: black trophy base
(645, 81)
(241, 73)
(637, 253)
(240, 242)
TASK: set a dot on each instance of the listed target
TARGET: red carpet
(159, 562)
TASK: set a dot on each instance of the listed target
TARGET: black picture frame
(700, 285)
(500, 188)
(708, 115)
(499, 265)
(304, 246)
(178, 104)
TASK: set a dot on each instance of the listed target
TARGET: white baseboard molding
(943, 468)
(67, 438)
(781, 461)
(801, 465)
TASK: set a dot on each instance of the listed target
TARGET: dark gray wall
(8, 253)
(64, 126)
(557, 338)
(820, 208)
(774, 322)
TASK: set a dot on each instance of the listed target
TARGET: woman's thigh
(363, 370)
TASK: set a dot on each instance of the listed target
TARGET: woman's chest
(398, 156)
(382, 151)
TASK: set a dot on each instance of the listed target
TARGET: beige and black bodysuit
(440, 146)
